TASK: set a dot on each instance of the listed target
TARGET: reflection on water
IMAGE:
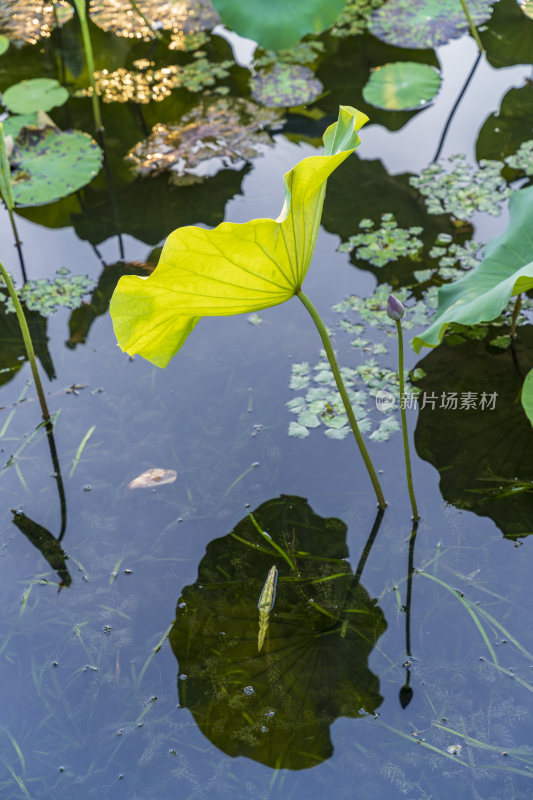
(276, 706)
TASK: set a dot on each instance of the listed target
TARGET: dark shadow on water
(276, 705)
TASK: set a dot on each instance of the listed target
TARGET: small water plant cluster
(463, 190)
(384, 244)
(320, 404)
(523, 158)
(354, 18)
(45, 295)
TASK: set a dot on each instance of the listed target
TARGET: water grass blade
(272, 543)
(468, 607)
(81, 449)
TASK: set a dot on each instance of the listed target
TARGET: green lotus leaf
(36, 94)
(236, 268)
(506, 270)
(51, 164)
(506, 129)
(285, 85)
(527, 395)
(278, 24)
(426, 23)
(402, 86)
(4, 44)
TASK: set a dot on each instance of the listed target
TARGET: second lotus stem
(344, 396)
(395, 311)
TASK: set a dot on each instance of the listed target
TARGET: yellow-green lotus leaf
(235, 268)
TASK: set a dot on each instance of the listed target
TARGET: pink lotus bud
(395, 309)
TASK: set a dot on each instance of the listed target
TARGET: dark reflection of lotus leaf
(482, 454)
(276, 705)
(426, 23)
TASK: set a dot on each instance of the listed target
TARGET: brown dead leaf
(153, 477)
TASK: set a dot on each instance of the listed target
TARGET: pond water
(398, 661)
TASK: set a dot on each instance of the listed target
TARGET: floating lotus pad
(426, 23)
(51, 164)
(37, 94)
(402, 86)
(284, 85)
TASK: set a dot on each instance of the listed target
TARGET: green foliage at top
(235, 268)
(50, 164)
(278, 24)
(37, 94)
(506, 270)
(402, 86)
(385, 244)
(462, 191)
(426, 23)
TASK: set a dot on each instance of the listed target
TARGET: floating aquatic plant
(402, 86)
(302, 53)
(225, 132)
(238, 269)
(426, 23)
(384, 244)
(49, 164)
(45, 295)
(319, 404)
(523, 158)
(373, 310)
(145, 84)
(36, 94)
(283, 85)
(463, 190)
(121, 18)
(354, 17)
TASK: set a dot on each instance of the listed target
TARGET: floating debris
(183, 17)
(226, 132)
(153, 477)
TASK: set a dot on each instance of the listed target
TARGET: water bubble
(182, 676)
(271, 713)
(182, 605)
(264, 729)
(248, 690)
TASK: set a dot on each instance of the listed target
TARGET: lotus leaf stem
(344, 395)
(408, 473)
(87, 46)
(473, 29)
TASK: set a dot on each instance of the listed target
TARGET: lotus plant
(396, 310)
(238, 268)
